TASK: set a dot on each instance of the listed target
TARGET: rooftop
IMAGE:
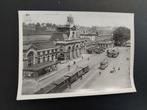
(59, 36)
(39, 45)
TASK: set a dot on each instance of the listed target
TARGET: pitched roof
(39, 45)
(59, 36)
(30, 38)
(44, 45)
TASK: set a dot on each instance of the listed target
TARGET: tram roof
(39, 45)
(60, 80)
(76, 70)
(46, 89)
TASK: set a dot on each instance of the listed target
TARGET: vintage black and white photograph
(75, 53)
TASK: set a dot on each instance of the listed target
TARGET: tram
(64, 82)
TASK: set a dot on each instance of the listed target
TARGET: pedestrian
(118, 68)
(82, 57)
(74, 62)
(100, 72)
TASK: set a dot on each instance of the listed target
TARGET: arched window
(38, 60)
(30, 58)
(48, 59)
(43, 58)
(52, 57)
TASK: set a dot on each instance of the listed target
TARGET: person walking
(68, 67)
(74, 62)
(118, 68)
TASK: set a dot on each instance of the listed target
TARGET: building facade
(39, 58)
(71, 46)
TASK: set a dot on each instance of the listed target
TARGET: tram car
(61, 84)
(103, 64)
(85, 69)
(48, 89)
(64, 82)
(112, 53)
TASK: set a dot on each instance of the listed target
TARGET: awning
(40, 66)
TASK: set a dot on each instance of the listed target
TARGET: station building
(41, 57)
(105, 41)
(71, 45)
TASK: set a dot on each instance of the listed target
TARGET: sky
(80, 18)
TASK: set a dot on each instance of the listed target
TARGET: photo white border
(84, 92)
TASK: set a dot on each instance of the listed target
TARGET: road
(119, 79)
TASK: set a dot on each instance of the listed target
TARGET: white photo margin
(84, 92)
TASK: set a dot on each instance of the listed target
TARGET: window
(43, 52)
(38, 60)
(38, 53)
(48, 59)
(52, 57)
(52, 50)
(56, 56)
(43, 59)
(56, 50)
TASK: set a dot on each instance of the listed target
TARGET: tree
(121, 35)
(38, 27)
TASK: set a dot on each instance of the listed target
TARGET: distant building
(91, 36)
(105, 41)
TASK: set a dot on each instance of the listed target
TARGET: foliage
(121, 35)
